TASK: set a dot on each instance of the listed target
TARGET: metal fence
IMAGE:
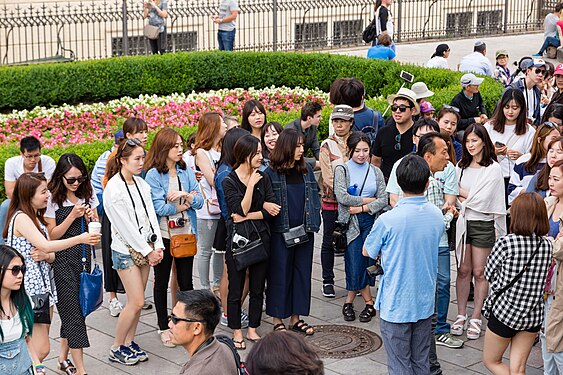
(32, 33)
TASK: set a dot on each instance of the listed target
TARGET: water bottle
(353, 190)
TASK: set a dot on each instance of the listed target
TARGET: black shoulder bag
(370, 32)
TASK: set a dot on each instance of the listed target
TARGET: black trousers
(158, 45)
(257, 281)
(184, 268)
(327, 251)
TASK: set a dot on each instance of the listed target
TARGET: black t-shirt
(383, 16)
(384, 147)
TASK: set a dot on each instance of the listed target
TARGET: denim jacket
(280, 223)
(159, 189)
(222, 171)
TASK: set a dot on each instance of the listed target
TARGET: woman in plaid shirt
(515, 312)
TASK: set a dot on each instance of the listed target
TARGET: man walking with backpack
(192, 324)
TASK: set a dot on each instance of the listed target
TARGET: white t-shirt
(11, 329)
(530, 98)
(521, 143)
(14, 167)
(52, 207)
(466, 181)
(189, 159)
(213, 157)
(438, 62)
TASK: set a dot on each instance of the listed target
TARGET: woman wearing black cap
(439, 58)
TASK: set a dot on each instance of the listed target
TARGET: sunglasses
(398, 144)
(17, 269)
(73, 180)
(540, 71)
(402, 108)
(451, 107)
(174, 319)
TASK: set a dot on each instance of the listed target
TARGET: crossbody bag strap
(517, 277)
(333, 175)
(365, 179)
(84, 248)
(251, 221)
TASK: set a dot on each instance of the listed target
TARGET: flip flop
(239, 345)
(253, 340)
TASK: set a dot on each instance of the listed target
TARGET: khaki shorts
(481, 233)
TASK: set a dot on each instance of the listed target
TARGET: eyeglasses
(32, 157)
(174, 319)
(402, 108)
(72, 180)
(17, 269)
(451, 107)
(398, 144)
(540, 71)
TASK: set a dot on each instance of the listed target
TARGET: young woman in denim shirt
(360, 192)
(175, 195)
(289, 275)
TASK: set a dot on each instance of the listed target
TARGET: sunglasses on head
(174, 319)
(72, 180)
(551, 125)
(402, 108)
(451, 107)
(17, 269)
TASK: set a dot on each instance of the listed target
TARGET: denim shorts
(121, 261)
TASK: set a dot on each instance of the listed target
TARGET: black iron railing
(32, 33)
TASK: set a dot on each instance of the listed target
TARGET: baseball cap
(407, 94)
(501, 52)
(421, 90)
(532, 63)
(426, 107)
(118, 135)
(558, 70)
(470, 79)
(343, 112)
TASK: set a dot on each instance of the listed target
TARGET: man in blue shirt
(382, 50)
(407, 238)
(477, 62)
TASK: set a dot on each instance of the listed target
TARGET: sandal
(459, 325)
(302, 327)
(280, 327)
(67, 367)
(367, 313)
(165, 338)
(474, 329)
(239, 345)
(348, 312)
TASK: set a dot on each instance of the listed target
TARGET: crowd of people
(241, 202)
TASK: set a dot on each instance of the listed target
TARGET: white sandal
(459, 325)
(474, 329)
(165, 338)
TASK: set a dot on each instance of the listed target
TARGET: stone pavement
(101, 327)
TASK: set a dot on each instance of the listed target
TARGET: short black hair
(201, 304)
(309, 110)
(427, 143)
(352, 92)
(29, 144)
(558, 7)
(425, 123)
(480, 48)
(412, 174)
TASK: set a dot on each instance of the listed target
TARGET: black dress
(67, 268)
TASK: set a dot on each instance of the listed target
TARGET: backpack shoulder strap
(241, 369)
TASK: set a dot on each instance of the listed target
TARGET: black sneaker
(328, 291)
(123, 355)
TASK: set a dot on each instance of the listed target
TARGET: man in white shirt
(476, 62)
(534, 73)
(29, 160)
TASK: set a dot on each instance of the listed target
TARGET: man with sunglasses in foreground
(534, 70)
(395, 141)
(192, 324)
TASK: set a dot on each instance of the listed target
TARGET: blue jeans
(549, 41)
(226, 40)
(443, 288)
(407, 346)
(3, 213)
(15, 358)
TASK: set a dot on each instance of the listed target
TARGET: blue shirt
(365, 117)
(407, 238)
(476, 63)
(99, 171)
(381, 53)
(358, 174)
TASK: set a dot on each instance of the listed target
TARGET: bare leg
(520, 348)
(462, 281)
(493, 349)
(78, 359)
(132, 279)
(144, 278)
(479, 260)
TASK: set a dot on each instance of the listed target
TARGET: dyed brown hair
(528, 215)
(537, 152)
(542, 182)
(207, 129)
(163, 142)
(124, 150)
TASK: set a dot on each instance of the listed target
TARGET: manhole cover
(337, 341)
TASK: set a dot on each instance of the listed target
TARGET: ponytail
(112, 167)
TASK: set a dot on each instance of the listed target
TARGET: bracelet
(362, 208)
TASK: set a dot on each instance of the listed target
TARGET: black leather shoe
(348, 312)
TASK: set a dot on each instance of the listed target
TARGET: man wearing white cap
(470, 102)
(395, 141)
(476, 62)
(558, 95)
(534, 71)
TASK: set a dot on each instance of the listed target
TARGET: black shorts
(505, 331)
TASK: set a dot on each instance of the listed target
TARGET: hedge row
(24, 87)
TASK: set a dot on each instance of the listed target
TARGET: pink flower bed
(67, 127)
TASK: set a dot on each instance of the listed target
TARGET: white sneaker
(115, 307)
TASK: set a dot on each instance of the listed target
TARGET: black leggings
(184, 267)
(158, 45)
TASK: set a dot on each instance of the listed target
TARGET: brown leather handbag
(182, 245)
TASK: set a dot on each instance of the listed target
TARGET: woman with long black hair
(72, 206)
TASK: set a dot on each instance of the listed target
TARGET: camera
(375, 270)
(178, 222)
(151, 238)
(239, 240)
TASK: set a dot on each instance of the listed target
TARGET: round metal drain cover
(338, 341)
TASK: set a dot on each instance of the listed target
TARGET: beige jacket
(554, 329)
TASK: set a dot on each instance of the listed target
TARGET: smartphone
(499, 144)
(408, 77)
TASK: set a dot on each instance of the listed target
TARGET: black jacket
(468, 109)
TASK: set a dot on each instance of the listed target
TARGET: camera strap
(133, 202)
(181, 212)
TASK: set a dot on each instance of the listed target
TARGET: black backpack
(370, 31)
(371, 130)
(240, 364)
